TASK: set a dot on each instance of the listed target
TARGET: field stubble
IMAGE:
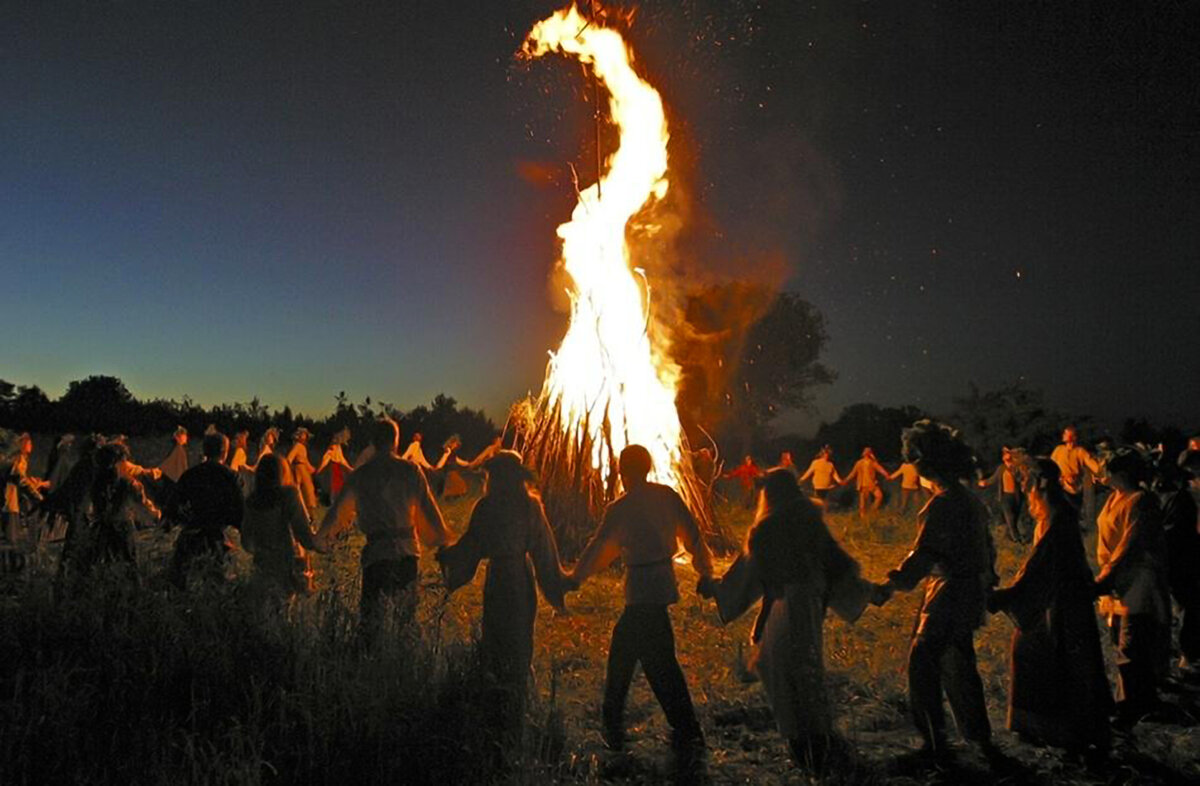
(121, 683)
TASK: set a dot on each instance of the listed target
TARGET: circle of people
(791, 567)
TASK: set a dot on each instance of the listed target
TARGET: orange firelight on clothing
(608, 365)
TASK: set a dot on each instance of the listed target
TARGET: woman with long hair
(275, 529)
(792, 562)
(1059, 693)
(954, 555)
(508, 527)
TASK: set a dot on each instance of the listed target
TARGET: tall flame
(608, 376)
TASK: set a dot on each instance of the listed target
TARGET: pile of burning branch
(575, 491)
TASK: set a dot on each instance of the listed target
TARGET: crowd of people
(791, 566)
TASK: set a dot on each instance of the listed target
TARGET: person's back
(390, 501)
(643, 528)
(387, 491)
(275, 524)
(648, 519)
(208, 498)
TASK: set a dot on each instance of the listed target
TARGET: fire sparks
(610, 383)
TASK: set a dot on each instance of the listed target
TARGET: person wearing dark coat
(206, 500)
(508, 528)
(793, 564)
(954, 555)
(1059, 693)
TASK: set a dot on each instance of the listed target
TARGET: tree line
(103, 404)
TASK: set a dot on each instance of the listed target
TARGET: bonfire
(612, 381)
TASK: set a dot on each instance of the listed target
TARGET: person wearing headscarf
(302, 468)
(793, 564)
(276, 530)
(643, 527)
(954, 555)
(176, 462)
(508, 528)
(1058, 693)
(1131, 552)
(206, 502)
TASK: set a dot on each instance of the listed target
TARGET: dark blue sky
(230, 199)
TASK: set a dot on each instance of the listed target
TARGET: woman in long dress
(1059, 693)
(276, 530)
(795, 566)
(302, 468)
(176, 462)
(452, 484)
(508, 528)
(335, 459)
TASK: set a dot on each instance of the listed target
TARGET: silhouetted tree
(865, 425)
(1010, 415)
(747, 355)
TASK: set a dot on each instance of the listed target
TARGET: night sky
(230, 199)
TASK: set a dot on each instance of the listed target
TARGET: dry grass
(404, 712)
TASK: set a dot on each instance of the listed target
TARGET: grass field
(120, 683)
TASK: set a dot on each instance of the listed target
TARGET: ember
(612, 381)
